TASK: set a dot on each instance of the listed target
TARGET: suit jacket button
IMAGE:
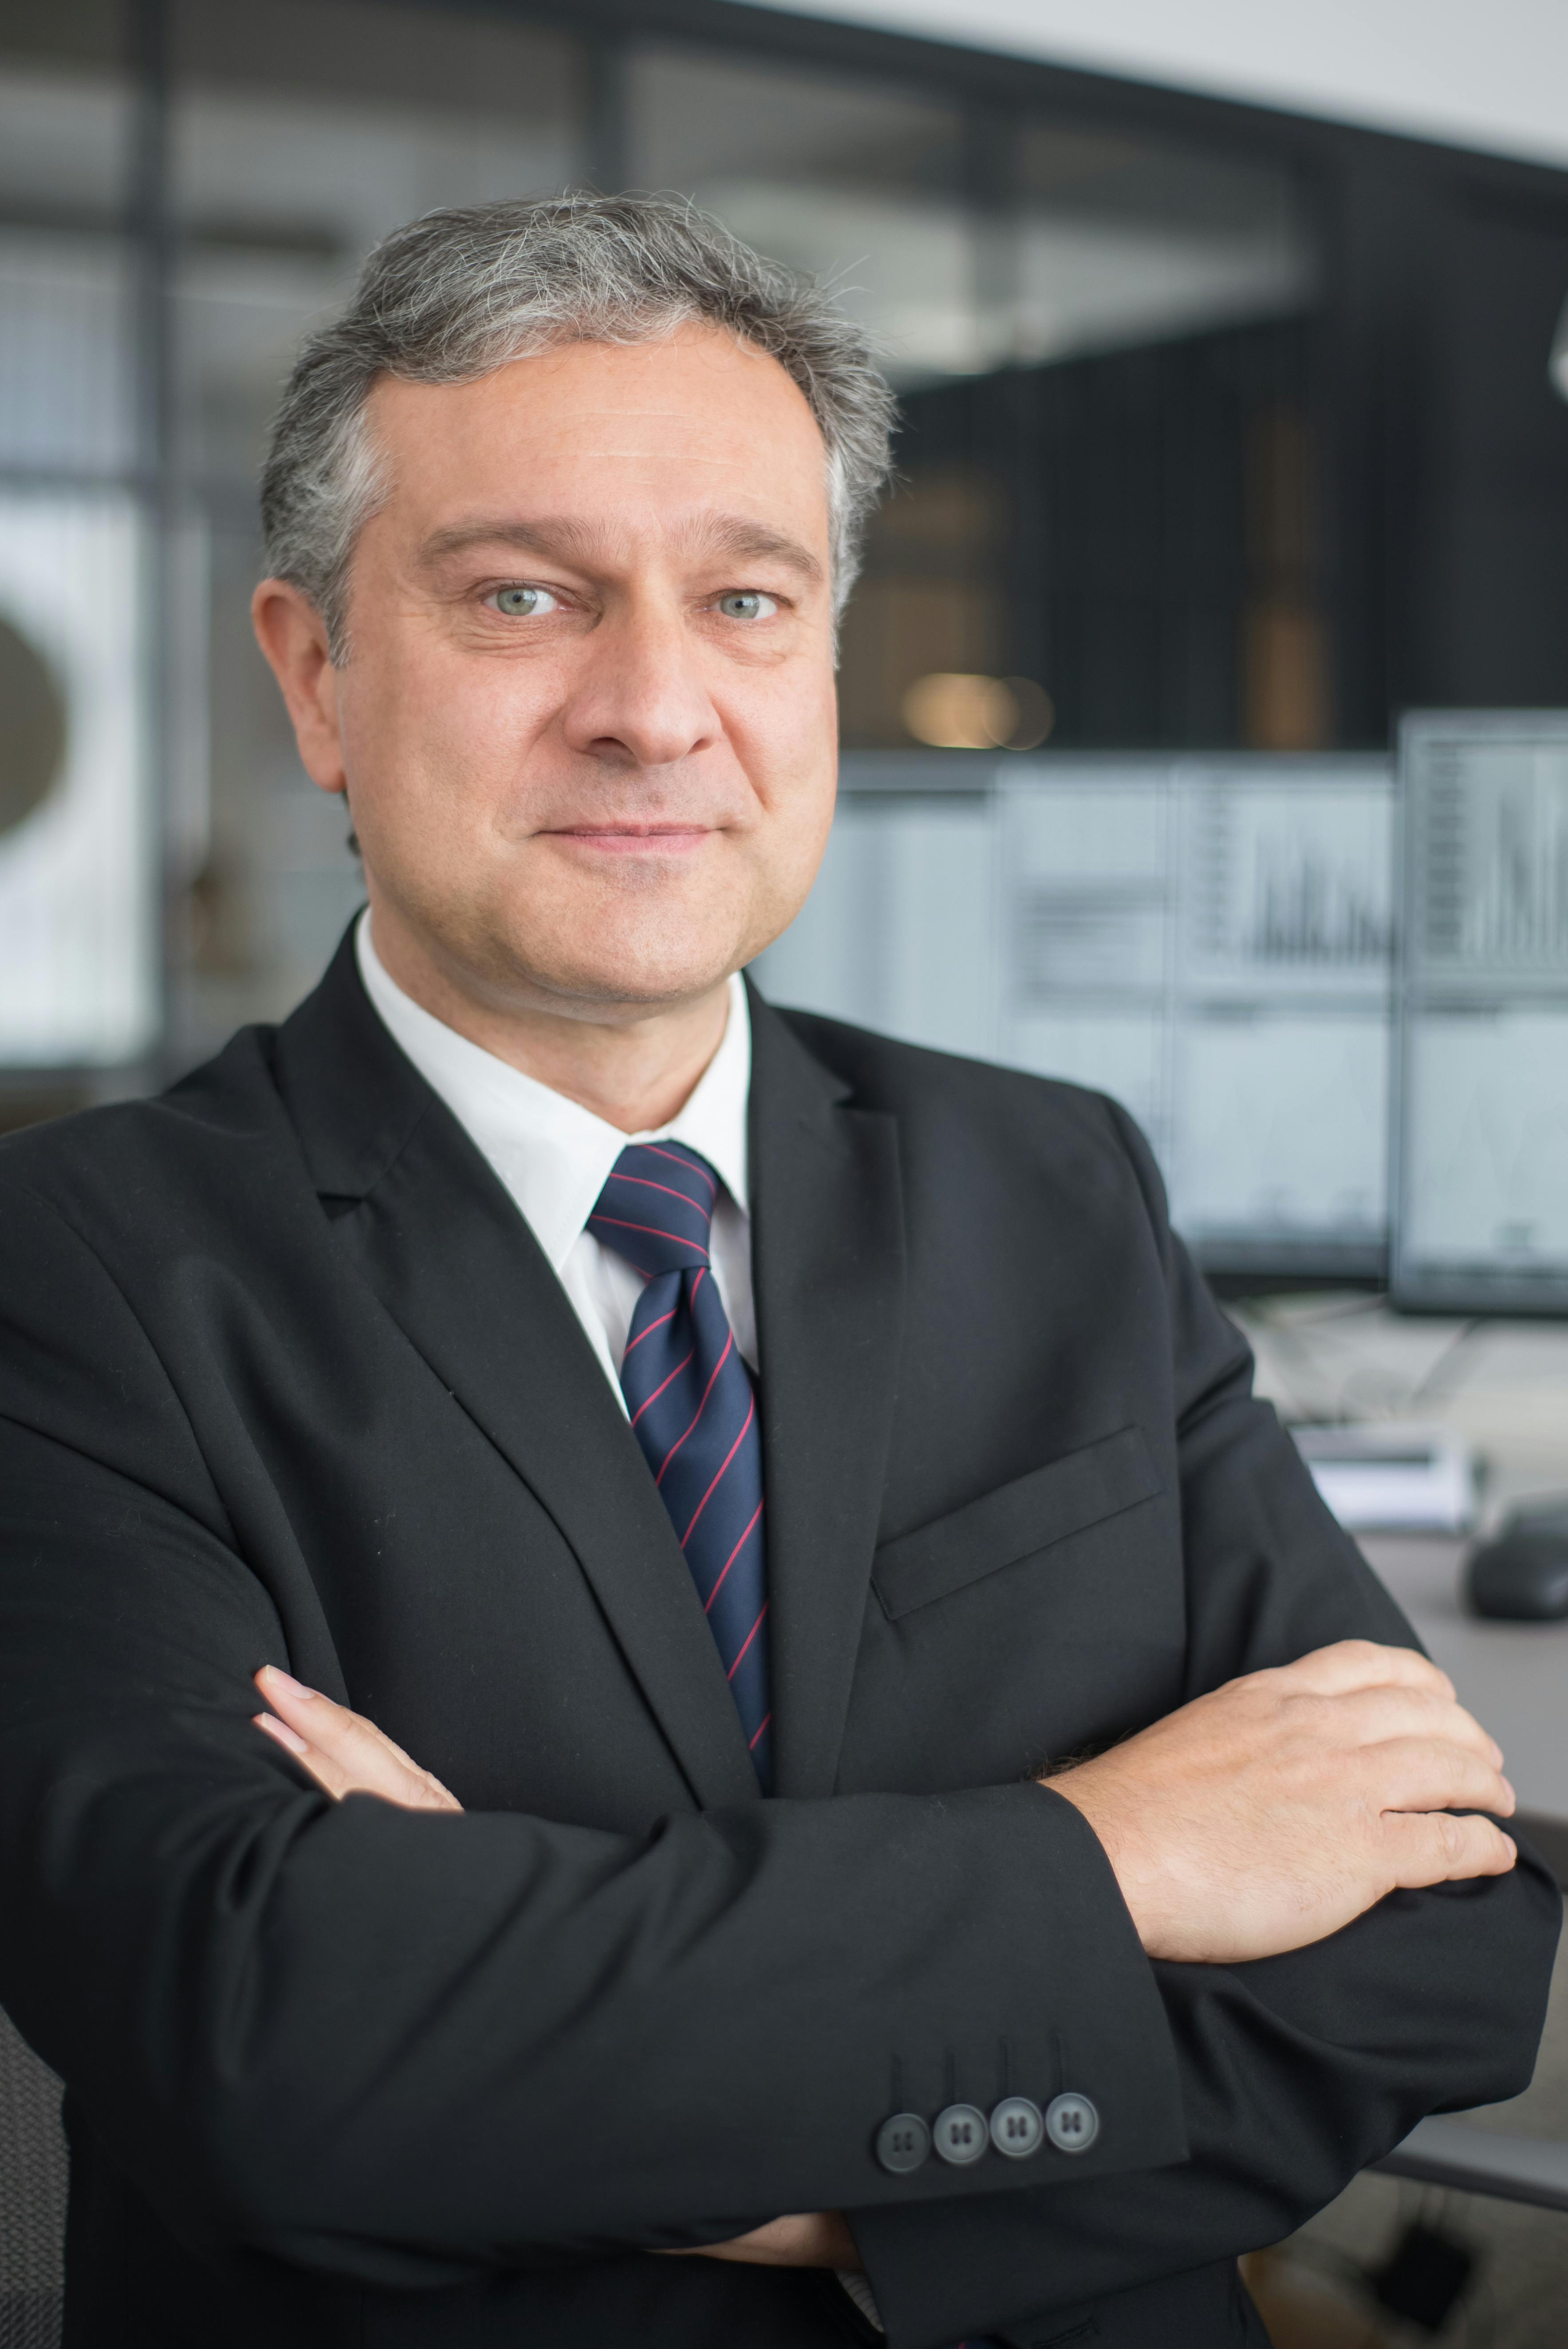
(1072, 2124)
(961, 2133)
(902, 2143)
(1017, 2128)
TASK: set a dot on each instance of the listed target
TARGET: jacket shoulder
(223, 1116)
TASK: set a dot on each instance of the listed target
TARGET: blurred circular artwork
(32, 727)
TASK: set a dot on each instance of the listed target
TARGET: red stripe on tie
(729, 1561)
(652, 1327)
(700, 1409)
(618, 1224)
(659, 1389)
(654, 1152)
(752, 1748)
(718, 1479)
(670, 1193)
(739, 1659)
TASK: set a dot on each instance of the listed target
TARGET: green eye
(524, 603)
(747, 603)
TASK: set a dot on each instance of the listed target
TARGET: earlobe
(292, 637)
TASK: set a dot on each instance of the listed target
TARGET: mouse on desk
(1522, 1576)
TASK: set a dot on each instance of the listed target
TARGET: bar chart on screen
(1280, 1009)
(1481, 1189)
(1286, 892)
(1209, 941)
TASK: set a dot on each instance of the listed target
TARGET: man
(739, 1458)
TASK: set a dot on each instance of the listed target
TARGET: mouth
(633, 839)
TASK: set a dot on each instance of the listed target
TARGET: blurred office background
(1227, 428)
(1223, 337)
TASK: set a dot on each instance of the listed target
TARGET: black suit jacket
(285, 1377)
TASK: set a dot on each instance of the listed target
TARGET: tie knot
(656, 1207)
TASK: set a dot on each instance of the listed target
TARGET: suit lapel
(439, 1239)
(829, 1268)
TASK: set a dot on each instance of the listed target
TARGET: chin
(646, 980)
(609, 955)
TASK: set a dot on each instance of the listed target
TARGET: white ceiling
(1490, 74)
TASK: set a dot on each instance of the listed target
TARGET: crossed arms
(1255, 1820)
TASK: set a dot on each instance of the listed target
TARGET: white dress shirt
(555, 1157)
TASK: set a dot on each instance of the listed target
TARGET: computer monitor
(1209, 940)
(1481, 1150)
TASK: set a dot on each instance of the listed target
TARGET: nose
(640, 699)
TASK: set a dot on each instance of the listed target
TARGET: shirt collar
(553, 1156)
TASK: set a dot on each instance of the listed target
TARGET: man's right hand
(1274, 1810)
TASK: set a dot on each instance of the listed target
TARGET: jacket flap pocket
(1016, 1521)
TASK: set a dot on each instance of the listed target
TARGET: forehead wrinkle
(565, 536)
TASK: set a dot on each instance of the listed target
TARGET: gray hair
(462, 292)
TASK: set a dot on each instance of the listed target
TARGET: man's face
(587, 721)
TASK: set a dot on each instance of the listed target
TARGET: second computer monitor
(1481, 1193)
(1209, 940)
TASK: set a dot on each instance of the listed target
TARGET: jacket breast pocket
(1018, 1521)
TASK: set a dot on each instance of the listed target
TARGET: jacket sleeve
(1297, 2071)
(400, 2046)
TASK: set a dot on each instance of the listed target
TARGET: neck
(634, 1068)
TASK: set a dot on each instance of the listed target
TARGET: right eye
(522, 603)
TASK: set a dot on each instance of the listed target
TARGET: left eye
(522, 603)
(747, 603)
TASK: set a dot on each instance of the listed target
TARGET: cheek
(795, 764)
(427, 737)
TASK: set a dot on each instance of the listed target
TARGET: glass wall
(1106, 527)
(78, 961)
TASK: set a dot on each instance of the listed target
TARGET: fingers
(344, 1753)
(1352, 1664)
(1437, 1847)
(1370, 1717)
(1426, 1774)
(816, 2238)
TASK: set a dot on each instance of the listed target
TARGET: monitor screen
(1209, 940)
(1481, 1193)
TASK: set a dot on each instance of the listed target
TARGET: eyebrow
(733, 535)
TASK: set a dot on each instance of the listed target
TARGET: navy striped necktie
(692, 1407)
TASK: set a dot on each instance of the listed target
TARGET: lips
(642, 839)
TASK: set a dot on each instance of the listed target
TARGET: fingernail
(286, 1680)
(283, 1732)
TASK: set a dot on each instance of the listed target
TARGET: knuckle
(1452, 1836)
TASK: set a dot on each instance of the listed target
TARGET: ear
(291, 635)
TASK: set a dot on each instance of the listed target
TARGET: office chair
(33, 2169)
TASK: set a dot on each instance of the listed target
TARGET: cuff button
(902, 2143)
(961, 2133)
(1072, 2123)
(1016, 2127)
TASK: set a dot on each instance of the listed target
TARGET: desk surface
(1502, 1387)
(1513, 1676)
